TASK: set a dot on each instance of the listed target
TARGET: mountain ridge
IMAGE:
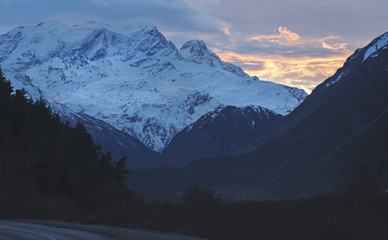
(133, 79)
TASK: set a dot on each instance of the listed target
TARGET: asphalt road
(54, 230)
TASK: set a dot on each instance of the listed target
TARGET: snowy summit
(132, 77)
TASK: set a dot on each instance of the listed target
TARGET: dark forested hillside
(49, 169)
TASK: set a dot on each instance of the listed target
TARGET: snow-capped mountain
(131, 77)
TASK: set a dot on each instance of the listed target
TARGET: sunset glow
(285, 37)
(302, 72)
(317, 61)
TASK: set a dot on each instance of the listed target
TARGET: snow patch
(381, 42)
(338, 78)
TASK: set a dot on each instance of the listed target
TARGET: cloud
(286, 57)
(167, 14)
(226, 31)
(303, 72)
(100, 3)
(285, 37)
(292, 39)
(334, 46)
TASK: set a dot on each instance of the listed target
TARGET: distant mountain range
(336, 138)
(133, 89)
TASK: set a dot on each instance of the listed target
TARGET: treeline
(201, 213)
(49, 169)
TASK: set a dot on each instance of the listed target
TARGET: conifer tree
(121, 171)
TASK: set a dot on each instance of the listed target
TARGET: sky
(299, 43)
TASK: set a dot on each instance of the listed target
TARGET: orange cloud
(334, 46)
(288, 38)
(296, 61)
(226, 31)
(285, 37)
(302, 72)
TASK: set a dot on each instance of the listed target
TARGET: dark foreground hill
(337, 137)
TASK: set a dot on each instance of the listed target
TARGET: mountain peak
(197, 51)
(128, 29)
(50, 23)
(195, 45)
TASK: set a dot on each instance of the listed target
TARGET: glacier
(132, 77)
